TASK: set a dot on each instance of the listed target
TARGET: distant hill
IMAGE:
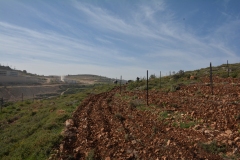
(91, 79)
(6, 68)
(57, 79)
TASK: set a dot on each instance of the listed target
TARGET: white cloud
(53, 46)
(100, 41)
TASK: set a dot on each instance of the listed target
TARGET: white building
(8, 73)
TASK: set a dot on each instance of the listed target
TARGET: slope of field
(189, 123)
(88, 79)
(15, 93)
(31, 129)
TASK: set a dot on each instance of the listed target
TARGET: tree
(181, 72)
(178, 75)
(152, 76)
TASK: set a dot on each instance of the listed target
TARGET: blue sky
(118, 37)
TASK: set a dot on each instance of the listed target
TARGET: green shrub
(213, 147)
(163, 115)
(28, 102)
(119, 116)
(90, 155)
(6, 104)
(136, 103)
(234, 75)
(175, 124)
(187, 124)
(224, 75)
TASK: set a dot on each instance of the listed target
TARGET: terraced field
(189, 123)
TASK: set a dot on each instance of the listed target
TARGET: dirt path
(109, 126)
(64, 91)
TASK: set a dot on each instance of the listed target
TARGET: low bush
(213, 147)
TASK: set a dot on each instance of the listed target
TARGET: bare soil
(189, 123)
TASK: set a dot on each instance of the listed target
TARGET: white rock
(69, 123)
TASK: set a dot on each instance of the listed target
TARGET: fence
(160, 81)
(1, 103)
(28, 96)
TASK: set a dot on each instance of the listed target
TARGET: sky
(116, 38)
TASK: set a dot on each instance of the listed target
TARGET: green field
(31, 129)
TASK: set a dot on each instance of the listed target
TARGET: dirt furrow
(186, 124)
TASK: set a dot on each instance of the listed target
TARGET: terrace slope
(189, 123)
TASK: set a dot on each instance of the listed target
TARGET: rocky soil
(189, 123)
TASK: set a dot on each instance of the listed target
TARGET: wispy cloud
(26, 42)
(87, 36)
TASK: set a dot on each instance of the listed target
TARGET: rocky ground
(189, 123)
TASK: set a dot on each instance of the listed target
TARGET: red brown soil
(112, 125)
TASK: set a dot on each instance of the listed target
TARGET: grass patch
(213, 147)
(30, 130)
(136, 103)
(119, 117)
(90, 155)
(163, 115)
(187, 124)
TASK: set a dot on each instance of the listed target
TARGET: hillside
(32, 128)
(90, 79)
(25, 78)
(5, 68)
(24, 85)
(183, 120)
(188, 123)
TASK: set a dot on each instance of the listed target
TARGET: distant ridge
(6, 68)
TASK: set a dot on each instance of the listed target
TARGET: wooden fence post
(160, 79)
(1, 104)
(22, 97)
(228, 68)
(211, 80)
(121, 85)
(147, 87)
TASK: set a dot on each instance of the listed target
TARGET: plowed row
(175, 125)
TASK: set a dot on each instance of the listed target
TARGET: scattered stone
(61, 148)
(235, 150)
(230, 142)
(107, 158)
(228, 132)
(168, 142)
(196, 127)
(237, 139)
(167, 129)
(69, 123)
(134, 141)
